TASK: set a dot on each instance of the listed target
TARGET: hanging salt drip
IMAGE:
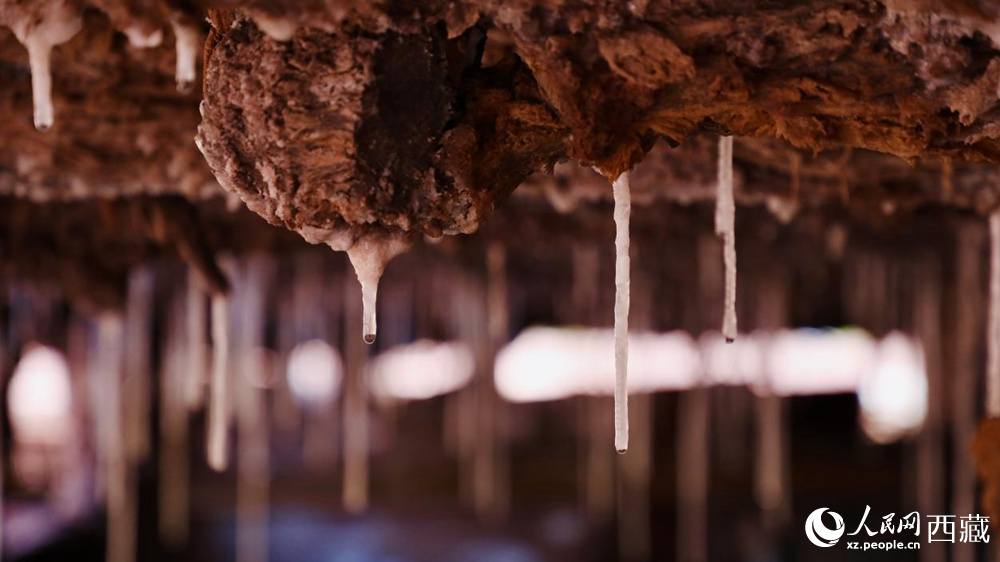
(623, 209)
(194, 345)
(993, 346)
(187, 43)
(121, 525)
(725, 226)
(252, 462)
(138, 319)
(369, 256)
(50, 24)
(218, 408)
(174, 479)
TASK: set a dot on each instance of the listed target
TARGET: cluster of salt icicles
(725, 226)
(55, 22)
(993, 335)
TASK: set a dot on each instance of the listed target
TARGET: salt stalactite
(121, 527)
(498, 318)
(930, 451)
(52, 23)
(355, 412)
(252, 462)
(174, 480)
(725, 226)
(623, 210)
(772, 480)
(693, 411)
(968, 307)
(195, 344)
(369, 256)
(993, 348)
(597, 416)
(218, 407)
(187, 46)
(138, 320)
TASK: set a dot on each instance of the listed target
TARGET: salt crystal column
(692, 475)
(138, 321)
(252, 462)
(218, 407)
(196, 342)
(173, 457)
(772, 478)
(993, 335)
(623, 211)
(967, 306)
(725, 226)
(121, 526)
(499, 326)
(929, 445)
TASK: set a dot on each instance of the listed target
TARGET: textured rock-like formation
(330, 132)
(423, 119)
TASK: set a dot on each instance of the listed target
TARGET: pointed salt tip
(621, 451)
(369, 338)
(730, 340)
(185, 86)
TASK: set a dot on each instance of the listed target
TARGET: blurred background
(479, 424)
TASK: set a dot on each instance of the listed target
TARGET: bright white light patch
(421, 370)
(544, 364)
(893, 397)
(806, 362)
(40, 397)
(315, 372)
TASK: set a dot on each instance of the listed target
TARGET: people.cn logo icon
(818, 533)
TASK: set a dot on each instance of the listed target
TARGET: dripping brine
(623, 210)
(725, 214)
(369, 256)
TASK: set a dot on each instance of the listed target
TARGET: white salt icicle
(369, 256)
(195, 347)
(187, 46)
(120, 493)
(138, 323)
(993, 349)
(174, 483)
(725, 223)
(58, 23)
(218, 407)
(623, 209)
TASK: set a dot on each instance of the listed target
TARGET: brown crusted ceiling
(425, 116)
